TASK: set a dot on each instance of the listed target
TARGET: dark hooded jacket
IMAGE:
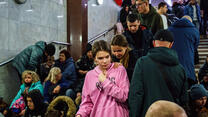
(152, 20)
(148, 84)
(186, 41)
(30, 58)
(40, 107)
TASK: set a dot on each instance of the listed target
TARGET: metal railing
(54, 42)
(60, 43)
(104, 33)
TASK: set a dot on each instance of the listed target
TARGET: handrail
(60, 43)
(7, 61)
(55, 42)
(91, 40)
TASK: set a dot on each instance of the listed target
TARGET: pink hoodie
(107, 99)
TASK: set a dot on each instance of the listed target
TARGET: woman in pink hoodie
(106, 87)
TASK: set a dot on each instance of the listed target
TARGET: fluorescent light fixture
(60, 16)
(1, 3)
(29, 10)
(93, 5)
(100, 2)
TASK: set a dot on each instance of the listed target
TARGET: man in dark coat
(186, 41)
(193, 10)
(149, 16)
(31, 57)
(138, 37)
(157, 76)
(83, 65)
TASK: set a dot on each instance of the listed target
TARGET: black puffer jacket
(85, 64)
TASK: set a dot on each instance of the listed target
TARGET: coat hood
(71, 106)
(41, 44)
(70, 60)
(183, 22)
(164, 56)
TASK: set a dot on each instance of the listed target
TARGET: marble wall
(101, 17)
(24, 24)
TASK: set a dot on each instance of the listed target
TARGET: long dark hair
(119, 40)
(37, 99)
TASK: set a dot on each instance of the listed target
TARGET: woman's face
(201, 102)
(103, 59)
(30, 103)
(89, 54)
(58, 77)
(118, 51)
(28, 78)
(62, 57)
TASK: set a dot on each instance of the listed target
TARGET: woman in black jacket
(35, 105)
(123, 54)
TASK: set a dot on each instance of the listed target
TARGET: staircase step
(203, 43)
(203, 50)
(202, 47)
(203, 54)
(203, 40)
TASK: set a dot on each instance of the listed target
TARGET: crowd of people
(145, 71)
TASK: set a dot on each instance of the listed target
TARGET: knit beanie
(198, 91)
(88, 47)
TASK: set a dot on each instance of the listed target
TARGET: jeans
(197, 24)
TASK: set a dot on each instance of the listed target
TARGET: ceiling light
(93, 5)
(29, 10)
(99, 2)
(1, 3)
(60, 16)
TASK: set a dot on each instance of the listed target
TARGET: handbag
(18, 105)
